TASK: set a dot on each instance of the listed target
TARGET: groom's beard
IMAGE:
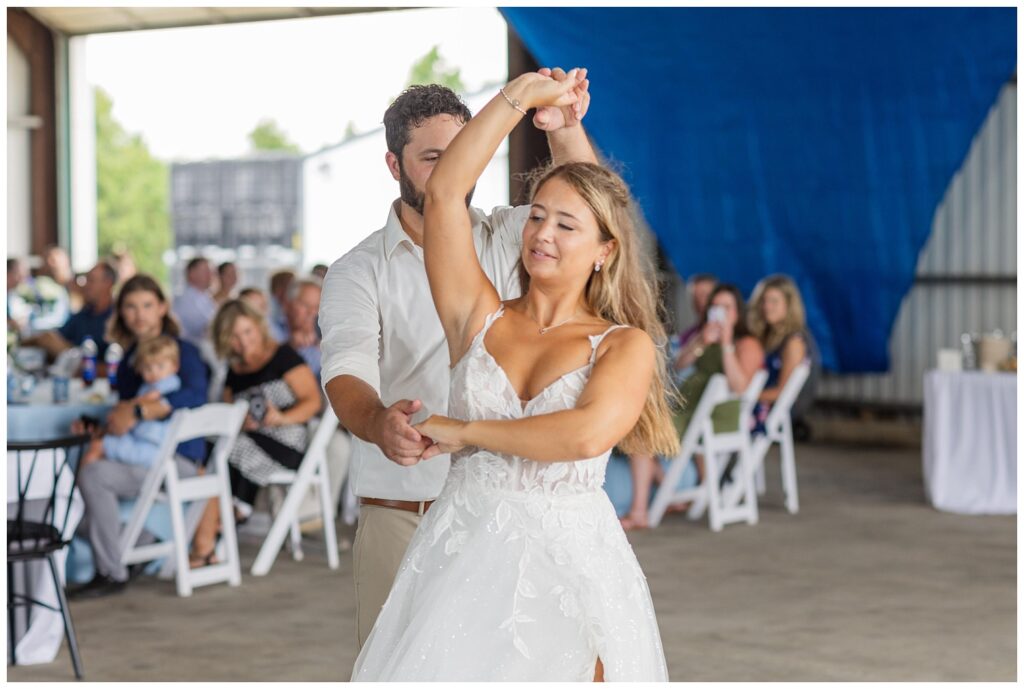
(413, 197)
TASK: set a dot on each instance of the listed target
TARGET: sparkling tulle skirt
(509, 585)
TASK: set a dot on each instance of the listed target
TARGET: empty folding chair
(312, 471)
(164, 484)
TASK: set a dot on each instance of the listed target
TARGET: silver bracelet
(514, 102)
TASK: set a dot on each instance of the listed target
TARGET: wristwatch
(726, 349)
(138, 412)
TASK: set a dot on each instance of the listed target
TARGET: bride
(520, 570)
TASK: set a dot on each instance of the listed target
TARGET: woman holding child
(141, 316)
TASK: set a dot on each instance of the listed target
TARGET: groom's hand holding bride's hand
(395, 436)
(445, 433)
(563, 97)
(551, 118)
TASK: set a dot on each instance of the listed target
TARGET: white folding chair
(700, 438)
(779, 429)
(738, 499)
(164, 484)
(312, 471)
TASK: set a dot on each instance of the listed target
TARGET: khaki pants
(382, 536)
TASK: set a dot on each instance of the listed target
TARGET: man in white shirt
(195, 307)
(385, 361)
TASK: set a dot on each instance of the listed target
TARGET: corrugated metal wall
(966, 275)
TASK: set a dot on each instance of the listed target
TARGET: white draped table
(41, 635)
(970, 441)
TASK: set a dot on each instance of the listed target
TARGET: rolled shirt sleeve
(507, 224)
(350, 321)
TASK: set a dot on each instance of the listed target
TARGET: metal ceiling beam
(70, 22)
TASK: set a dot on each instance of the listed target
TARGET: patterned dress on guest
(259, 454)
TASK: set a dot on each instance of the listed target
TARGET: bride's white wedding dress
(520, 569)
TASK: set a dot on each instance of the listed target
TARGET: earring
(597, 266)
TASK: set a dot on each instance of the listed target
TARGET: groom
(384, 355)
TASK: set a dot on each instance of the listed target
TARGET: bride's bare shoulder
(627, 341)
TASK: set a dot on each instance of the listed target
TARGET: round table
(38, 418)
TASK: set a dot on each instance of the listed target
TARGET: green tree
(132, 193)
(432, 69)
(268, 136)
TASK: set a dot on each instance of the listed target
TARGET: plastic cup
(61, 386)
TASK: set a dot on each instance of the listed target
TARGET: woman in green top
(723, 346)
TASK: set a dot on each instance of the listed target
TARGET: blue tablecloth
(42, 421)
(36, 417)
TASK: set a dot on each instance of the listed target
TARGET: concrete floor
(867, 583)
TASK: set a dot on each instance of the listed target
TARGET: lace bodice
(520, 571)
(480, 390)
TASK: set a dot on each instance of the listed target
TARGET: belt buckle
(422, 507)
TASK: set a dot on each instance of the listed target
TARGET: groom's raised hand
(550, 118)
(394, 435)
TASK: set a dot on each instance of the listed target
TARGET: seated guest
(276, 316)
(699, 287)
(777, 320)
(140, 314)
(319, 271)
(302, 310)
(90, 321)
(256, 298)
(57, 266)
(724, 345)
(227, 280)
(194, 308)
(158, 361)
(18, 310)
(282, 394)
(34, 303)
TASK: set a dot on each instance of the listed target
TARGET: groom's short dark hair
(414, 106)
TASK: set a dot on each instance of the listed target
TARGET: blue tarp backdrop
(812, 142)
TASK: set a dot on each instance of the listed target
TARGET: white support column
(83, 233)
(20, 123)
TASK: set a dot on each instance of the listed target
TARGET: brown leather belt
(419, 507)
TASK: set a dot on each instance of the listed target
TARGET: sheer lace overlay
(520, 570)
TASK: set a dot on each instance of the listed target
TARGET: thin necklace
(557, 325)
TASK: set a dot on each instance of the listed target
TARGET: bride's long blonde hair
(623, 292)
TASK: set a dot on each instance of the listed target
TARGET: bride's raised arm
(462, 293)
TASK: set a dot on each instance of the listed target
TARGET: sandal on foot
(197, 561)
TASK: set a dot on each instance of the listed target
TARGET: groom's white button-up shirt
(379, 325)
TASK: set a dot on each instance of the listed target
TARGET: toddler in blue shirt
(157, 360)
